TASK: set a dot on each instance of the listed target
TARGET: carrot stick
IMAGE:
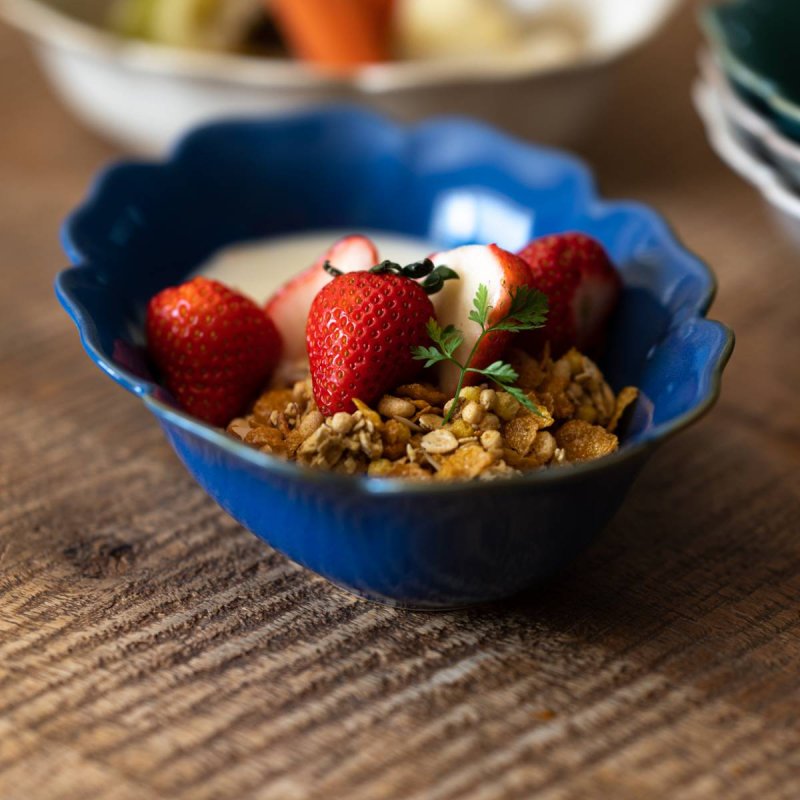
(339, 34)
(384, 9)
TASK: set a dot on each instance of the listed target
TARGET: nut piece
(487, 399)
(369, 442)
(470, 394)
(544, 447)
(396, 407)
(492, 441)
(323, 448)
(490, 422)
(505, 406)
(396, 437)
(439, 442)
(310, 423)
(472, 413)
(239, 427)
(430, 422)
(461, 429)
(342, 422)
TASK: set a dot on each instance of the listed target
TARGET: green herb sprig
(528, 310)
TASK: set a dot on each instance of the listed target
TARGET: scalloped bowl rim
(592, 204)
(56, 27)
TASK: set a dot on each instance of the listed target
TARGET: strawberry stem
(435, 277)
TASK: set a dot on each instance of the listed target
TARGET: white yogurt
(258, 268)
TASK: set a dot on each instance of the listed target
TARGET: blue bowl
(146, 226)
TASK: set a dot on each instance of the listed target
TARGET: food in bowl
(240, 185)
(343, 34)
(455, 367)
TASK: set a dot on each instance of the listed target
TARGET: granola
(490, 433)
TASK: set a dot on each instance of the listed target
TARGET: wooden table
(152, 648)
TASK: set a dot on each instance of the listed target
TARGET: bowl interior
(147, 226)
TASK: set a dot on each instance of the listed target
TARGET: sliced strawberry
(215, 348)
(503, 273)
(289, 306)
(582, 288)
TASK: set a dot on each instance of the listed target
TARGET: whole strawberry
(361, 330)
(214, 347)
(582, 289)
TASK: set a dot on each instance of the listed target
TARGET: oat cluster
(491, 434)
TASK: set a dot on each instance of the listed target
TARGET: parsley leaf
(480, 306)
(527, 310)
(430, 355)
(523, 399)
(499, 372)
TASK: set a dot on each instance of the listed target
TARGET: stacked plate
(748, 95)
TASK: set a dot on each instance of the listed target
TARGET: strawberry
(289, 306)
(502, 273)
(214, 347)
(582, 288)
(361, 331)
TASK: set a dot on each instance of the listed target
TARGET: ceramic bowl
(761, 134)
(145, 226)
(144, 95)
(756, 42)
(736, 150)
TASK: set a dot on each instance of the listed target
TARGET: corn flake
(582, 441)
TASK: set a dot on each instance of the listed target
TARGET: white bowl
(144, 95)
(762, 135)
(733, 150)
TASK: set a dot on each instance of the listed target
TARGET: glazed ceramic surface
(757, 43)
(144, 95)
(148, 225)
(760, 132)
(737, 150)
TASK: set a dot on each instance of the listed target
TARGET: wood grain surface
(151, 648)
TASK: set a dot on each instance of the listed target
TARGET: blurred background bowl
(143, 95)
(735, 151)
(746, 94)
(759, 132)
(756, 43)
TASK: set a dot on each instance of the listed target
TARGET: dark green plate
(758, 44)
